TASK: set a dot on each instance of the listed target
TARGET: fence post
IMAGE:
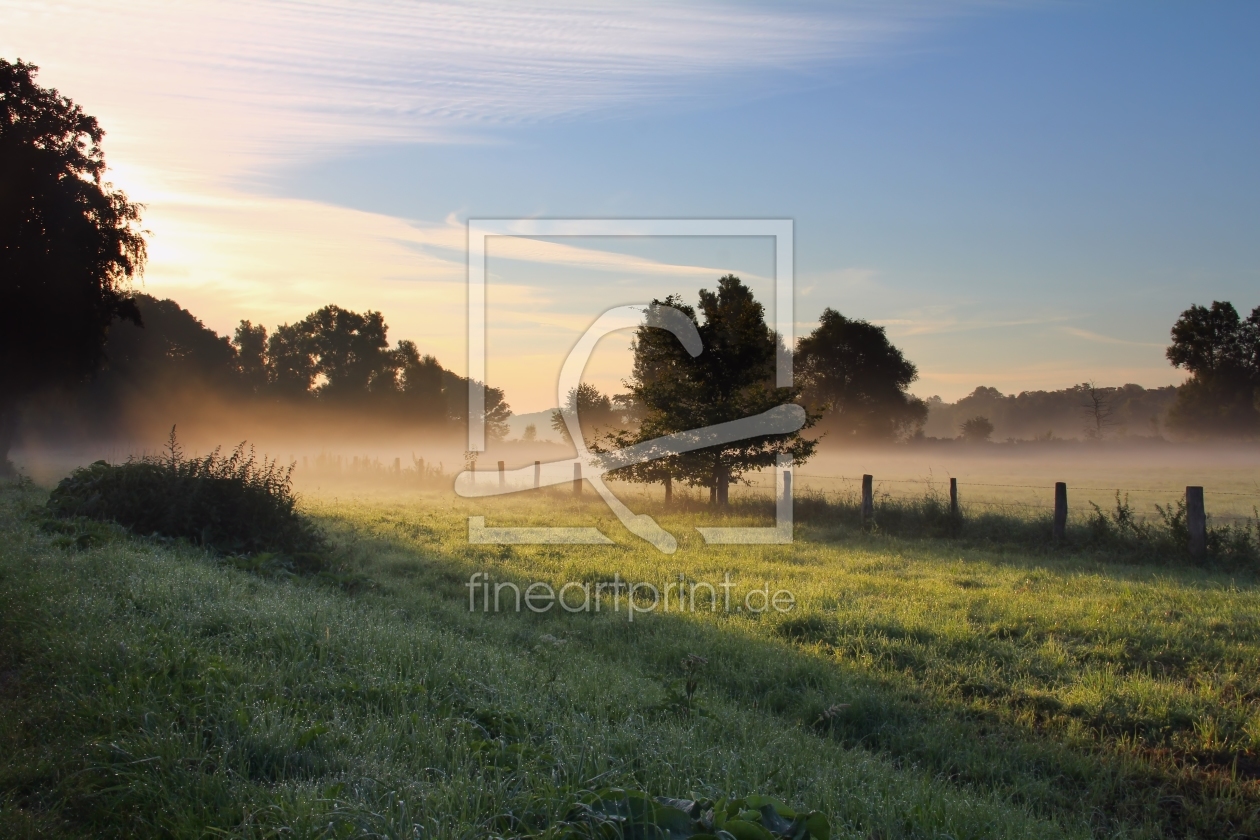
(868, 499)
(577, 479)
(502, 477)
(1196, 520)
(1060, 510)
(398, 466)
(953, 498)
(537, 474)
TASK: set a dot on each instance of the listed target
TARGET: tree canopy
(69, 242)
(976, 429)
(851, 371)
(1221, 351)
(733, 377)
(596, 411)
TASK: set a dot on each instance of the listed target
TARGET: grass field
(918, 688)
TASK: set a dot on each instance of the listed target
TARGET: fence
(1196, 511)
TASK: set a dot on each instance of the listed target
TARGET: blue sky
(1025, 194)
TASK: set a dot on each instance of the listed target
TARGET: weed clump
(1235, 544)
(235, 504)
(1121, 533)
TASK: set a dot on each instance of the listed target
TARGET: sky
(1025, 195)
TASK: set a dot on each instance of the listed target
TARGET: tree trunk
(723, 488)
(9, 414)
(669, 489)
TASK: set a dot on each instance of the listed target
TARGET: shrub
(234, 505)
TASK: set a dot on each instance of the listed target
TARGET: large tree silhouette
(733, 377)
(1221, 351)
(69, 243)
(853, 372)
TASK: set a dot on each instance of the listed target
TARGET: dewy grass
(921, 688)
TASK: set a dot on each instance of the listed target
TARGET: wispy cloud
(936, 324)
(199, 98)
(552, 252)
(1089, 335)
(245, 82)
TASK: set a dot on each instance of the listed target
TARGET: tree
(594, 410)
(350, 352)
(420, 382)
(732, 378)
(251, 355)
(1222, 354)
(977, 429)
(497, 411)
(290, 363)
(69, 244)
(530, 434)
(858, 378)
(1045, 415)
(174, 349)
(1098, 410)
(345, 352)
(1207, 341)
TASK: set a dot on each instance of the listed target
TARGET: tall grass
(1118, 533)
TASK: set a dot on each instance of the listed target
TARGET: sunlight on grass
(919, 688)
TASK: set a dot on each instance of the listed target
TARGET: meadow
(985, 684)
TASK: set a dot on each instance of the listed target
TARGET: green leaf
(819, 827)
(772, 820)
(757, 803)
(744, 830)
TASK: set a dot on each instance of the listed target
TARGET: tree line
(1084, 411)
(71, 243)
(849, 378)
(1220, 400)
(333, 357)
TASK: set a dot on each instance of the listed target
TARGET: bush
(234, 504)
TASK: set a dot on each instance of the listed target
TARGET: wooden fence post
(577, 479)
(502, 477)
(537, 474)
(1196, 520)
(868, 499)
(953, 498)
(1060, 510)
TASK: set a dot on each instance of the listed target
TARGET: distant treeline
(332, 358)
(1221, 398)
(1083, 411)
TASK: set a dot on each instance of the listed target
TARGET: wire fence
(883, 492)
